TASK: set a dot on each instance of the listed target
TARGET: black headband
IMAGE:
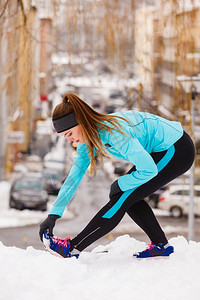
(64, 123)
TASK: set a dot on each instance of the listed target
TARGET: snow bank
(34, 274)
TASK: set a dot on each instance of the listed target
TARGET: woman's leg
(97, 227)
(107, 218)
(142, 214)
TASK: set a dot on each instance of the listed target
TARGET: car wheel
(176, 212)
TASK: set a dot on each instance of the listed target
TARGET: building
(167, 46)
(19, 61)
(45, 14)
(179, 33)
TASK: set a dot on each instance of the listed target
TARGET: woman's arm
(69, 187)
(131, 149)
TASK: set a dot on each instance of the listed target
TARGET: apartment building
(167, 48)
(179, 31)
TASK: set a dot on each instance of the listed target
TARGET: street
(90, 197)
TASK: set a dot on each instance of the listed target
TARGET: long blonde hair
(90, 122)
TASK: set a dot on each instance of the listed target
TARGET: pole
(2, 152)
(191, 204)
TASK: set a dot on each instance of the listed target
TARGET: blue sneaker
(58, 246)
(154, 251)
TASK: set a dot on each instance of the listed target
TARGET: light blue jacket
(147, 133)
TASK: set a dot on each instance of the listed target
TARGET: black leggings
(134, 204)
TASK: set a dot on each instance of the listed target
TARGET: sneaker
(58, 246)
(154, 251)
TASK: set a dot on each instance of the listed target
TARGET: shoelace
(150, 246)
(62, 242)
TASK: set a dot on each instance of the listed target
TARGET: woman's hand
(48, 224)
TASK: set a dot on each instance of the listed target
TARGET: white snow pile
(35, 274)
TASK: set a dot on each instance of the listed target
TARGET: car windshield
(28, 185)
(181, 192)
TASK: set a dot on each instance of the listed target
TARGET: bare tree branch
(4, 9)
(22, 9)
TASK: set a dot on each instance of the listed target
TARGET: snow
(188, 5)
(180, 6)
(36, 274)
(68, 59)
(101, 82)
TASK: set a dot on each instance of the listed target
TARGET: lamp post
(191, 204)
(2, 135)
(191, 85)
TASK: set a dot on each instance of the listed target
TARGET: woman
(159, 149)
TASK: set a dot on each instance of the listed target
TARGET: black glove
(114, 189)
(49, 224)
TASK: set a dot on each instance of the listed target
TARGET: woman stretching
(158, 149)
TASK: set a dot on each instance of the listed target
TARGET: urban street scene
(100, 149)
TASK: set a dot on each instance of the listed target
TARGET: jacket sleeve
(131, 149)
(69, 187)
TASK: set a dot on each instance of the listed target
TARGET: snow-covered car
(28, 193)
(176, 200)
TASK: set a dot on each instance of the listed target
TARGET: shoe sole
(152, 257)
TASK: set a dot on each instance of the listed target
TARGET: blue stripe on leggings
(166, 159)
(160, 165)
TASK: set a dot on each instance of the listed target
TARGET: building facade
(167, 46)
(19, 62)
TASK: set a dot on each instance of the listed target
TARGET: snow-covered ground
(35, 274)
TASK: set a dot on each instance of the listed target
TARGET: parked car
(153, 199)
(116, 94)
(52, 181)
(110, 108)
(96, 100)
(28, 193)
(177, 198)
